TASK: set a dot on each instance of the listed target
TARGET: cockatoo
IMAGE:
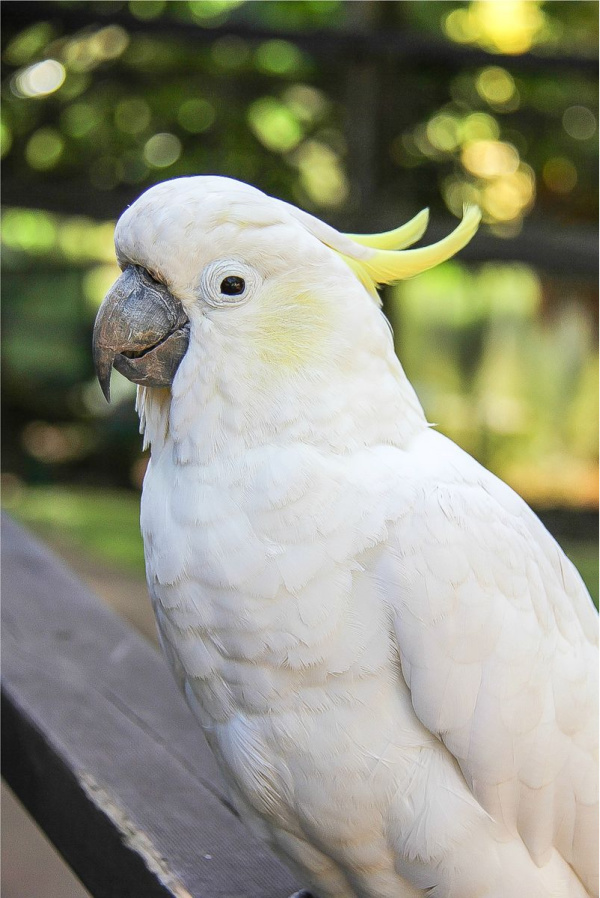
(392, 660)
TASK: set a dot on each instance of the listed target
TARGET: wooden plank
(101, 749)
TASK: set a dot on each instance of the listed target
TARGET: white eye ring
(216, 273)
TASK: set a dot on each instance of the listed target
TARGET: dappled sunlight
(502, 355)
(491, 173)
(503, 26)
(146, 9)
(212, 12)
(510, 386)
(361, 114)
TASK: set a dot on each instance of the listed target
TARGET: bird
(392, 660)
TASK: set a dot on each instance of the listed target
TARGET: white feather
(393, 661)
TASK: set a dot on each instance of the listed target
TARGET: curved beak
(141, 330)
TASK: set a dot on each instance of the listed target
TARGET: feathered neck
(212, 415)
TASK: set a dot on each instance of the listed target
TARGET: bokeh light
(97, 281)
(559, 174)
(79, 119)
(212, 13)
(56, 444)
(321, 174)
(579, 122)
(162, 150)
(503, 26)
(40, 79)
(28, 43)
(87, 51)
(279, 57)
(133, 115)
(274, 124)
(5, 138)
(497, 87)
(307, 103)
(489, 158)
(528, 384)
(44, 148)
(146, 9)
(196, 115)
(73, 238)
(503, 353)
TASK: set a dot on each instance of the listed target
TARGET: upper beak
(141, 329)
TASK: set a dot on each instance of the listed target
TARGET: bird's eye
(228, 283)
(233, 285)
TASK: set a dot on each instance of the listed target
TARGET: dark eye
(233, 285)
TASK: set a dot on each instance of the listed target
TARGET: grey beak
(141, 330)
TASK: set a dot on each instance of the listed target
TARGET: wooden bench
(100, 748)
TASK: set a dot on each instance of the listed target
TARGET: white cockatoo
(392, 660)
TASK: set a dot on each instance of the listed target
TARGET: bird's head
(218, 273)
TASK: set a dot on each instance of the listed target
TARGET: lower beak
(141, 330)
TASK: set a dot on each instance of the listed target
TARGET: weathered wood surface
(101, 749)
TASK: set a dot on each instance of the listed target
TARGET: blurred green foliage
(104, 524)
(584, 555)
(119, 103)
(515, 387)
(362, 112)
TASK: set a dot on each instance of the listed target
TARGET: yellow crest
(383, 258)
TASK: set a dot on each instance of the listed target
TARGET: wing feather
(498, 643)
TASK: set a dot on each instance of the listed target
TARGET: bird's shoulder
(497, 640)
(459, 522)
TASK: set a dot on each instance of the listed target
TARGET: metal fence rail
(100, 748)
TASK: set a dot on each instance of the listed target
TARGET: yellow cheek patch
(291, 327)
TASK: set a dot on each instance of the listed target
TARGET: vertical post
(362, 108)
